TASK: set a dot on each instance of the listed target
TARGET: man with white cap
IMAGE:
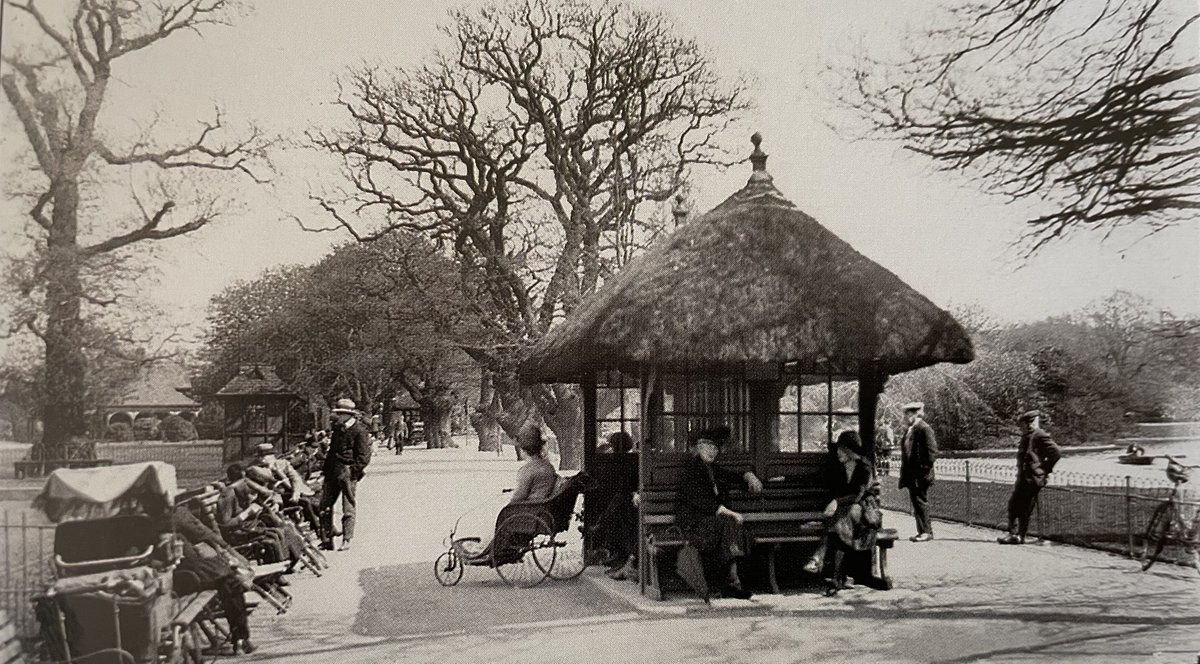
(918, 451)
(347, 459)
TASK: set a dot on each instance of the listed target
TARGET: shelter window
(693, 404)
(618, 406)
(812, 409)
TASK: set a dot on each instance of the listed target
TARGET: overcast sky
(277, 65)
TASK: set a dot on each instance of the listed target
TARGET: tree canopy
(365, 322)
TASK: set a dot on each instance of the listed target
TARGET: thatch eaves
(753, 280)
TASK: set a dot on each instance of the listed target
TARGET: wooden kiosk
(260, 408)
(755, 316)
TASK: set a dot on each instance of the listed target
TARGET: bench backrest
(798, 497)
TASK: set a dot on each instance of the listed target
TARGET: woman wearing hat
(854, 516)
(701, 511)
(537, 478)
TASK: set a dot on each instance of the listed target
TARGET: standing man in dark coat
(918, 451)
(1036, 455)
(347, 459)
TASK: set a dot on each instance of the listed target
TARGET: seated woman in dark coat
(853, 515)
(705, 519)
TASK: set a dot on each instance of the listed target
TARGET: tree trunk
(560, 406)
(566, 421)
(66, 366)
(435, 413)
(485, 419)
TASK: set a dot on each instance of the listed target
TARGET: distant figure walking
(1037, 454)
(347, 459)
(401, 433)
(918, 451)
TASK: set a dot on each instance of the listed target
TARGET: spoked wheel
(1156, 536)
(448, 568)
(523, 552)
(568, 550)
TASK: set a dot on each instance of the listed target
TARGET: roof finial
(758, 158)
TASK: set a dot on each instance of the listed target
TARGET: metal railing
(1099, 511)
(26, 546)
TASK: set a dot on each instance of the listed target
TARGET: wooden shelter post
(870, 386)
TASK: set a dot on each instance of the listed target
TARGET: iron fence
(196, 462)
(25, 547)
(1108, 512)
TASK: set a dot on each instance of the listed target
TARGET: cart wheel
(568, 550)
(523, 550)
(448, 569)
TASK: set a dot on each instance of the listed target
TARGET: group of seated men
(250, 516)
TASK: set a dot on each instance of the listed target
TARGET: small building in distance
(158, 390)
(260, 408)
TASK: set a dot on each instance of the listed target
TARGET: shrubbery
(145, 428)
(174, 429)
(119, 432)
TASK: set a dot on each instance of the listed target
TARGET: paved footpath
(960, 598)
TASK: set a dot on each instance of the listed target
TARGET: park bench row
(778, 516)
(200, 613)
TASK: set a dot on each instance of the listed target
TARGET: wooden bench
(41, 467)
(187, 620)
(777, 516)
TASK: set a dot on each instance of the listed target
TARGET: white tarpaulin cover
(101, 492)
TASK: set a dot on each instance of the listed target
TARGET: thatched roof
(256, 380)
(157, 385)
(753, 280)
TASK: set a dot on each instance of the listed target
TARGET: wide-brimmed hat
(1029, 416)
(718, 435)
(914, 405)
(345, 406)
(850, 440)
(264, 448)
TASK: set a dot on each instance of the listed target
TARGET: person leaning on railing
(1037, 453)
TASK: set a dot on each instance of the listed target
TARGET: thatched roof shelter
(753, 280)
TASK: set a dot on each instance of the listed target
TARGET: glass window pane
(845, 396)
(788, 438)
(256, 418)
(790, 401)
(814, 433)
(633, 403)
(608, 403)
(814, 395)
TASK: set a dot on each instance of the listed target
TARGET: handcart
(112, 598)
(531, 541)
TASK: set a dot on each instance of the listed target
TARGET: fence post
(1129, 514)
(967, 474)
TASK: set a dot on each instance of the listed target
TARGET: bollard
(967, 473)
(1129, 514)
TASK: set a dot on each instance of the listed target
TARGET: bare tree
(58, 87)
(1089, 108)
(533, 147)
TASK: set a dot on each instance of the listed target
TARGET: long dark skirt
(721, 541)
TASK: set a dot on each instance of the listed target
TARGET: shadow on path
(404, 600)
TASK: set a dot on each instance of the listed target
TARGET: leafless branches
(1090, 108)
(58, 101)
(531, 146)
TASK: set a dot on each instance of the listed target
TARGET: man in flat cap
(918, 451)
(347, 459)
(1036, 455)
